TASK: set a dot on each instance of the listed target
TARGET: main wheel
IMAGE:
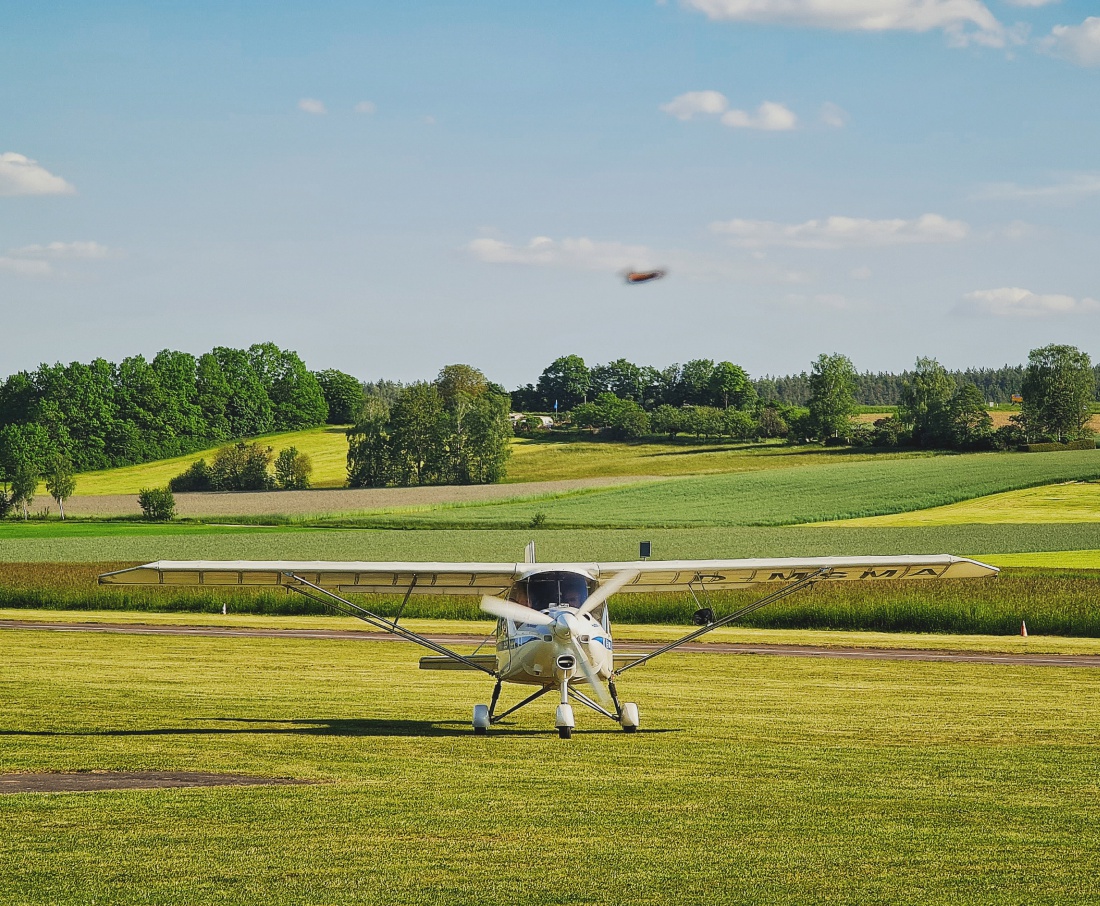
(565, 732)
(481, 719)
(629, 717)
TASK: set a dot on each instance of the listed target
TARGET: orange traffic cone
(1023, 629)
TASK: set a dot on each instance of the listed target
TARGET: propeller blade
(589, 672)
(607, 589)
(517, 613)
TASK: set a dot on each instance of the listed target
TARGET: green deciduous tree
(564, 383)
(24, 450)
(925, 397)
(157, 504)
(292, 470)
(241, 466)
(370, 464)
(60, 479)
(832, 399)
(729, 385)
(1058, 387)
(968, 421)
(344, 395)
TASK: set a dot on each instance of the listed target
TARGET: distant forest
(102, 414)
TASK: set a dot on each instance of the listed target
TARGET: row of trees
(934, 409)
(100, 414)
(454, 430)
(568, 381)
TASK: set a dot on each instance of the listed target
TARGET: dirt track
(94, 781)
(334, 500)
(869, 654)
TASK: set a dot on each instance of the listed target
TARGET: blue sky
(391, 187)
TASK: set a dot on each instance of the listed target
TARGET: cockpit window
(546, 589)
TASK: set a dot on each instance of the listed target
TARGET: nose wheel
(629, 717)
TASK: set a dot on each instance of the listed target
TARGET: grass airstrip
(753, 780)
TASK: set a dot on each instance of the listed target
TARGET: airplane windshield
(551, 588)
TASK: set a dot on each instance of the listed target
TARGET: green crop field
(780, 497)
(753, 780)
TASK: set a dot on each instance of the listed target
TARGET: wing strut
(332, 600)
(805, 582)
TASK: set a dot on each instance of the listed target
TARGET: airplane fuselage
(544, 655)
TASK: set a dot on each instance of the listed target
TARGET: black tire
(630, 729)
(480, 731)
(565, 732)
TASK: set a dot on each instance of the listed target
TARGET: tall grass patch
(1064, 604)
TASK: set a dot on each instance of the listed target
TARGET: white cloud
(833, 115)
(55, 250)
(1077, 43)
(577, 254)
(36, 260)
(1069, 188)
(687, 105)
(827, 301)
(842, 232)
(19, 175)
(1014, 302)
(1030, 2)
(23, 267)
(312, 106)
(861, 273)
(963, 20)
(770, 116)
(366, 107)
(428, 120)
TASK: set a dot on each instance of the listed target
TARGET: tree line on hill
(568, 381)
(936, 407)
(61, 419)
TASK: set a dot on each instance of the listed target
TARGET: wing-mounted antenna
(529, 552)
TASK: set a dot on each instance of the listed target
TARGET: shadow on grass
(350, 727)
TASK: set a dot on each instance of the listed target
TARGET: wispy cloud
(312, 106)
(19, 175)
(366, 107)
(964, 21)
(577, 254)
(691, 103)
(38, 260)
(842, 232)
(1067, 188)
(1079, 44)
(769, 116)
(1014, 302)
(833, 115)
(56, 250)
(1031, 3)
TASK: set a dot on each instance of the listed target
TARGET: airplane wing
(678, 575)
(347, 577)
(496, 578)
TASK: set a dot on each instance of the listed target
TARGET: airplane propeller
(517, 613)
(607, 589)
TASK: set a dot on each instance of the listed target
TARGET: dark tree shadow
(347, 727)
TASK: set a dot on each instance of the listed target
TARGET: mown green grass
(754, 780)
(777, 497)
(626, 634)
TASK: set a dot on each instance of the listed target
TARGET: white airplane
(553, 630)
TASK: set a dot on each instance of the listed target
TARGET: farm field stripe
(875, 654)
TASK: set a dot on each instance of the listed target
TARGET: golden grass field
(1077, 501)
